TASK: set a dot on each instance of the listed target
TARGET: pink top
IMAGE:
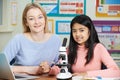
(94, 67)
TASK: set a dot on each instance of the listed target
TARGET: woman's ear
(26, 23)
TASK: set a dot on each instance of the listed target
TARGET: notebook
(6, 72)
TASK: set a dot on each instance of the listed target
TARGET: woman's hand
(44, 68)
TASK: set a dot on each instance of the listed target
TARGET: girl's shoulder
(99, 47)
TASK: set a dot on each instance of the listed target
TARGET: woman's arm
(32, 70)
(12, 48)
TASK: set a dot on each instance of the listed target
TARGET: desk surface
(46, 77)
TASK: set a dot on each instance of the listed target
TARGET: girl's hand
(79, 74)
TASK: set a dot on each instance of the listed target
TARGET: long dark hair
(93, 39)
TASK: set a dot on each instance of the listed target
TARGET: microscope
(63, 63)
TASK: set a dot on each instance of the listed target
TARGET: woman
(85, 52)
(36, 46)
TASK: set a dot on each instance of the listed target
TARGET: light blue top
(29, 53)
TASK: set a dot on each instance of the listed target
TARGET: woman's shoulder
(16, 39)
(53, 36)
(18, 36)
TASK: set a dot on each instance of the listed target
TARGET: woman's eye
(31, 18)
(40, 17)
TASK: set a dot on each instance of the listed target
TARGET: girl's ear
(89, 33)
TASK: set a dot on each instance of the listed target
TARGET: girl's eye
(73, 31)
(81, 30)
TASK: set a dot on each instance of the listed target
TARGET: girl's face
(35, 20)
(80, 33)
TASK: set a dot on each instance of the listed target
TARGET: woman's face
(80, 33)
(35, 20)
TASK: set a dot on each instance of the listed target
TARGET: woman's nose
(36, 21)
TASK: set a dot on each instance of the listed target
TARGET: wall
(90, 6)
(9, 30)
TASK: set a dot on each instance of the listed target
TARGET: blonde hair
(24, 15)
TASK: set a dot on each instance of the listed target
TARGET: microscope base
(64, 76)
(65, 79)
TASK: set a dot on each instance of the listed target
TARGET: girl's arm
(112, 68)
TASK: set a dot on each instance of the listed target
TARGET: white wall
(7, 31)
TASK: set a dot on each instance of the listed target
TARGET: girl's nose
(77, 33)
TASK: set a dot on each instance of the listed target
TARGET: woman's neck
(37, 37)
